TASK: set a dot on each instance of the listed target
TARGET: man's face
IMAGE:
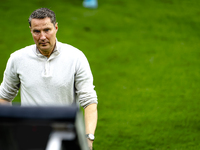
(44, 34)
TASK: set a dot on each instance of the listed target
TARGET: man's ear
(56, 26)
(30, 28)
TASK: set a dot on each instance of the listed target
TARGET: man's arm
(91, 121)
(5, 102)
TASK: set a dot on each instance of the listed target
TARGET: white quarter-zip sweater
(62, 79)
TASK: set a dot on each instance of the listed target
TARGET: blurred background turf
(145, 59)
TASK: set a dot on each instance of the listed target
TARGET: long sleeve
(11, 83)
(84, 82)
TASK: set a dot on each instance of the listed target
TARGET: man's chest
(46, 73)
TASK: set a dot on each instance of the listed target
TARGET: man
(50, 72)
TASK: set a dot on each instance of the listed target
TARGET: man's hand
(90, 144)
(5, 102)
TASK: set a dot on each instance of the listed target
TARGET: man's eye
(46, 30)
(36, 31)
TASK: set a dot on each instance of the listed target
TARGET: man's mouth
(43, 43)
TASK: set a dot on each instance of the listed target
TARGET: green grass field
(145, 59)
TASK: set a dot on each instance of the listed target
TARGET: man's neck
(48, 52)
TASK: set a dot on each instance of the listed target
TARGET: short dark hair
(42, 13)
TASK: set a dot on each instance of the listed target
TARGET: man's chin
(44, 48)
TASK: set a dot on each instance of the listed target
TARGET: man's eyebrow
(46, 28)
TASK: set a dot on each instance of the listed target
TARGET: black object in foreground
(42, 128)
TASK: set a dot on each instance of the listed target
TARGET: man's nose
(42, 36)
